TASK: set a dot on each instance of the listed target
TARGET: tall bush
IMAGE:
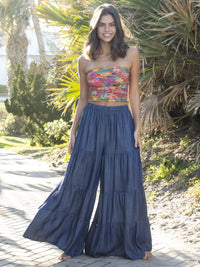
(30, 99)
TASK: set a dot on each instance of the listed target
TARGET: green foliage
(170, 169)
(12, 13)
(57, 131)
(167, 33)
(21, 145)
(67, 96)
(12, 125)
(185, 141)
(3, 112)
(73, 19)
(163, 169)
(19, 103)
(29, 96)
(152, 196)
(195, 191)
(30, 99)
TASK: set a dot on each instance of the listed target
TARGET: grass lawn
(22, 146)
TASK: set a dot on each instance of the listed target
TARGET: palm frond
(67, 96)
(153, 115)
(195, 146)
(194, 103)
(174, 96)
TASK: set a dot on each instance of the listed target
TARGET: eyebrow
(109, 22)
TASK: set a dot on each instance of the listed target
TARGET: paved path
(24, 184)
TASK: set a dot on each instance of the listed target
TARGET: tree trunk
(39, 37)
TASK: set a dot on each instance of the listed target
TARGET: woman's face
(106, 28)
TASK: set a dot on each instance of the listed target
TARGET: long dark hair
(118, 45)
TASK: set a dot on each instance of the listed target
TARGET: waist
(101, 107)
(108, 104)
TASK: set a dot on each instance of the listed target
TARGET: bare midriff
(112, 104)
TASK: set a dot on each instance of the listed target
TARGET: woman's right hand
(71, 143)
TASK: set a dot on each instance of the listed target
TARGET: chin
(107, 40)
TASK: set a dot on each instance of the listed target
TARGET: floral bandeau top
(108, 84)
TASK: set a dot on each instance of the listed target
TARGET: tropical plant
(167, 34)
(13, 21)
(73, 20)
(38, 33)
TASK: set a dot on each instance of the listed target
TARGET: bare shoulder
(133, 52)
(83, 63)
(133, 56)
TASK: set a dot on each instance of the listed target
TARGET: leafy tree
(30, 99)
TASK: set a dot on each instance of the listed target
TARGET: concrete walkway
(24, 185)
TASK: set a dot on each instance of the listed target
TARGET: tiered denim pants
(105, 154)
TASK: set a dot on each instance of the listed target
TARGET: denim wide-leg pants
(104, 152)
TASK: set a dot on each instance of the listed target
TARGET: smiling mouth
(107, 35)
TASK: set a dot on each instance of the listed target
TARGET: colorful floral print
(108, 84)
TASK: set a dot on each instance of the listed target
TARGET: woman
(104, 146)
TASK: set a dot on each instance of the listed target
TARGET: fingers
(70, 148)
(71, 143)
(138, 143)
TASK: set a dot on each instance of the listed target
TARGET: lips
(107, 35)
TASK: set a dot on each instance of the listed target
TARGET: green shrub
(57, 130)
(185, 141)
(36, 134)
(3, 112)
(167, 168)
(30, 100)
(12, 125)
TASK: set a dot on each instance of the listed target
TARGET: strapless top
(108, 84)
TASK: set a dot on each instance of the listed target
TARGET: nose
(107, 28)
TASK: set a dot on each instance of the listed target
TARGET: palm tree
(38, 33)
(73, 19)
(13, 21)
(167, 34)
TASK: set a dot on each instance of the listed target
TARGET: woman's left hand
(138, 142)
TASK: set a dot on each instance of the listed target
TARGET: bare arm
(83, 100)
(134, 95)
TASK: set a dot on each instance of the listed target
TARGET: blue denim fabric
(104, 152)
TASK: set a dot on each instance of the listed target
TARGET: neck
(105, 49)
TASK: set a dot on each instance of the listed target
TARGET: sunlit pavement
(24, 184)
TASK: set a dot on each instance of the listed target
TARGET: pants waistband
(109, 108)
